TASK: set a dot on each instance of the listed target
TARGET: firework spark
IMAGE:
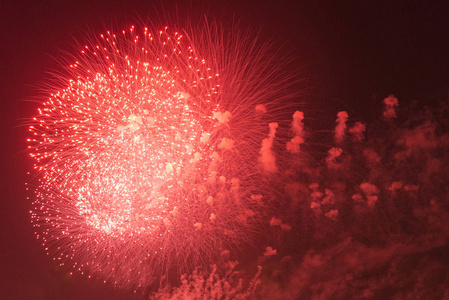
(148, 155)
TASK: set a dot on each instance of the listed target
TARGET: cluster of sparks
(139, 167)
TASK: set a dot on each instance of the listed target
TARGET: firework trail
(147, 152)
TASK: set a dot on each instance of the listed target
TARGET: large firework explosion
(151, 151)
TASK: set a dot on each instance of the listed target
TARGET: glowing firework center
(138, 182)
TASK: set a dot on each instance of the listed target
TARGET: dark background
(353, 53)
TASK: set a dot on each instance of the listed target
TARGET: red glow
(145, 161)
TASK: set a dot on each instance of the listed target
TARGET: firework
(147, 154)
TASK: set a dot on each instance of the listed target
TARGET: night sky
(352, 54)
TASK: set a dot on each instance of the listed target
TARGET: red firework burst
(148, 154)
